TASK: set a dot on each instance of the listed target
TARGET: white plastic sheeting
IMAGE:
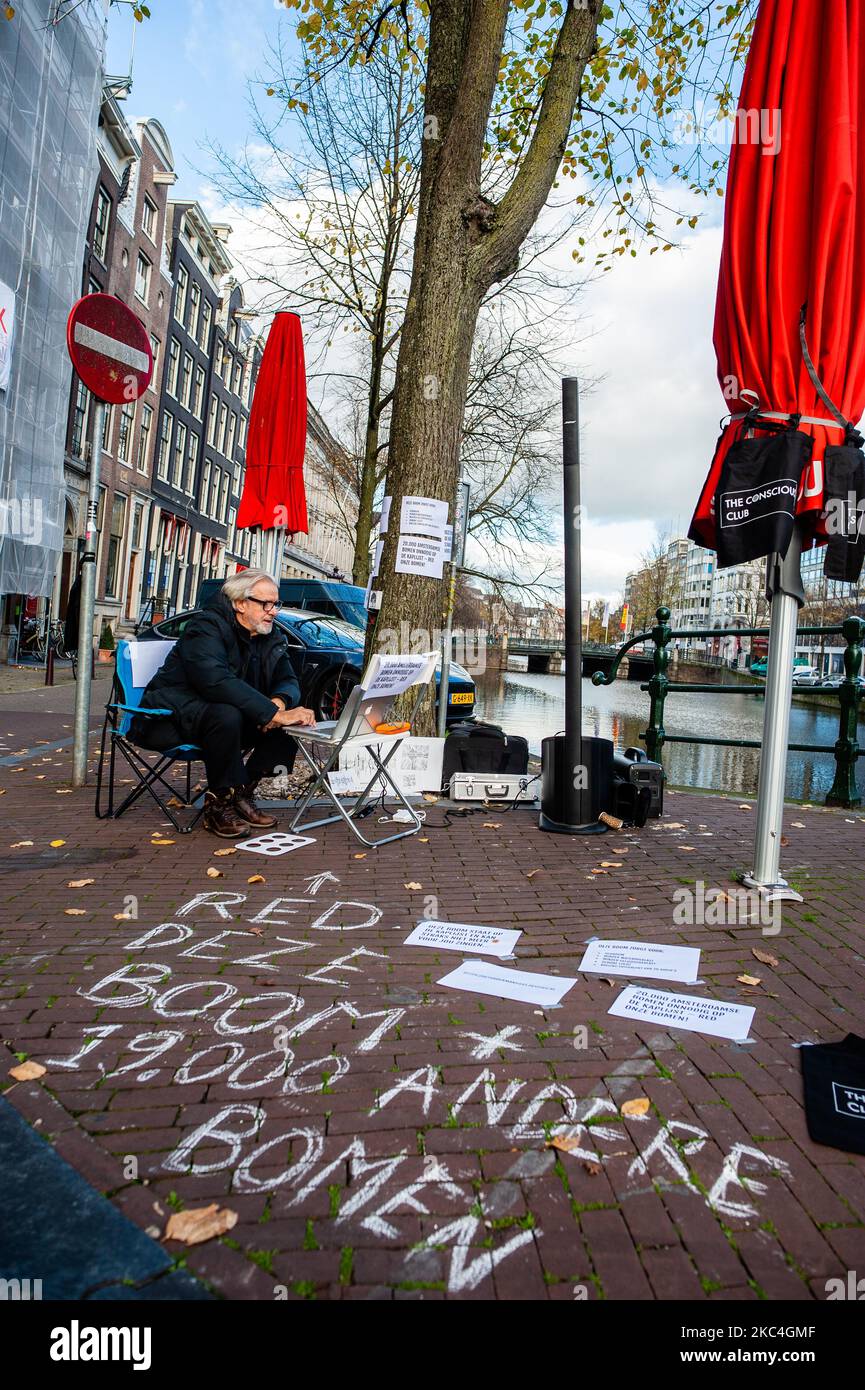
(51, 70)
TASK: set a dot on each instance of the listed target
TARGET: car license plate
(463, 698)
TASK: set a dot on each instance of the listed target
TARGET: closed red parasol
(794, 236)
(273, 491)
(790, 340)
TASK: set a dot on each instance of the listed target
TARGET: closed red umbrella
(790, 332)
(794, 235)
(273, 491)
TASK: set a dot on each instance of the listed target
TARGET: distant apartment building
(125, 257)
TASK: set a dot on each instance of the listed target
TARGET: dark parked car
(329, 598)
(328, 658)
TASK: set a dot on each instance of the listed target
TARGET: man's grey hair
(240, 586)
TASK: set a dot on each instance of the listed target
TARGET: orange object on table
(392, 728)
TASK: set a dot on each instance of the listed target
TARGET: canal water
(533, 705)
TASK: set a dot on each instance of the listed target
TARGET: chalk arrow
(315, 881)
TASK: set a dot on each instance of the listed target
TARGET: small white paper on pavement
(463, 936)
(275, 842)
(426, 516)
(341, 783)
(685, 1011)
(391, 675)
(419, 555)
(642, 958)
(146, 659)
(479, 977)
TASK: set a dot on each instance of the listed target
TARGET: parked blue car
(328, 658)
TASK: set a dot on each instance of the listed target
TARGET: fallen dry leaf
(605, 980)
(566, 1142)
(798, 824)
(256, 878)
(672, 825)
(784, 840)
(611, 864)
(423, 839)
(75, 911)
(744, 806)
(764, 957)
(123, 916)
(359, 856)
(175, 803)
(687, 847)
(413, 885)
(601, 871)
(636, 1107)
(215, 873)
(220, 852)
(19, 844)
(427, 796)
(193, 1227)
(162, 842)
(80, 882)
(27, 1071)
(55, 844)
(748, 979)
(532, 873)
(256, 931)
(492, 825)
(593, 1169)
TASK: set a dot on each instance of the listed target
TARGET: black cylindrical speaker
(594, 778)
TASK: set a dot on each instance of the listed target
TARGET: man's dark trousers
(222, 734)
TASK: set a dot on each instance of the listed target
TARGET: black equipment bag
(844, 500)
(631, 802)
(833, 1075)
(483, 748)
(755, 503)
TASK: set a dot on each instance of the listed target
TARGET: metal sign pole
(461, 518)
(571, 810)
(88, 604)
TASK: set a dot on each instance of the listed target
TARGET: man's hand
(285, 718)
(278, 701)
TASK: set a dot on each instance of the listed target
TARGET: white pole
(776, 724)
(81, 725)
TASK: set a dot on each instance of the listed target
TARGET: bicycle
(57, 644)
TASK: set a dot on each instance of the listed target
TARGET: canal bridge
(548, 656)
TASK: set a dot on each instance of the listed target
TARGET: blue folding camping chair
(123, 706)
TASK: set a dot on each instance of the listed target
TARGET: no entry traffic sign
(110, 348)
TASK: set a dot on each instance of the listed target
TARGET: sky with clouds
(642, 332)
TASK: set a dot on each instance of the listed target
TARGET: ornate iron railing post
(844, 791)
(658, 685)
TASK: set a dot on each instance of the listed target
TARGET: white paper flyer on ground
(479, 977)
(645, 958)
(710, 1016)
(146, 659)
(425, 516)
(463, 936)
(419, 555)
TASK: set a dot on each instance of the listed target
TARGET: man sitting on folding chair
(367, 723)
(230, 685)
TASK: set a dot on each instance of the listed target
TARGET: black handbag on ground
(483, 748)
(755, 503)
(833, 1076)
(844, 501)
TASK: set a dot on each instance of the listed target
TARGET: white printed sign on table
(419, 555)
(712, 1016)
(7, 331)
(479, 977)
(464, 936)
(642, 958)
(423, 516)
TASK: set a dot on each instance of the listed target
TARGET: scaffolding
(52, 55)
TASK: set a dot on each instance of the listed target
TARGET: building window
(148, 219)
(232, 431)
(186, 380)
(241, 439)
(115, 545)
(223, 421)
(204, 325)
(211, 420)
(80, 415)
(164, 446)
(198, 397)
(144, 437)
(107, 428)
(173, 365)
(218, 355)
(142, 277)
(124, 434)
(223, 501)
(205, 487)
(179, 454)
(154, 348)
(191, 462)
(238, 376)
(101, 225)
(194, 306)
(213, 509)
(180, 296)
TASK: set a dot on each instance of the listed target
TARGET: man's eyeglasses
(269, 605)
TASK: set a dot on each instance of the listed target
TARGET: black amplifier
(633, 766)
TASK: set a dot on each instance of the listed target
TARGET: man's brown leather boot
(244, 805)
(220, 816)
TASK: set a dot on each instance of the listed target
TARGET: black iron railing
(846, 750)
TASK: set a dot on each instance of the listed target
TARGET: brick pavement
(275, 1048)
